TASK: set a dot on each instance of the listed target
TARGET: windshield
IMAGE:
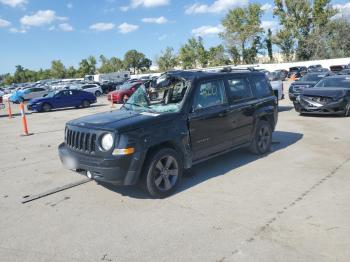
(274, 76)
(52, 94)
(166, 99)
(335, 82)
(312, 77)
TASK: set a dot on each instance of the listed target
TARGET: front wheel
(163, 172)
(46, 107)
(98, 93)
(262, 139)
(347, 109)
(85, 104)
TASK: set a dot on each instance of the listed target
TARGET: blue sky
(34, 32)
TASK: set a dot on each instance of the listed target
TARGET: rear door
(208, 120)
(241, 109)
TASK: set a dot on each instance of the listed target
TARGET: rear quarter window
(262, 87)
(239, 89)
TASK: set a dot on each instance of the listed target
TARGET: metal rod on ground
(24, 120)
(55, 190)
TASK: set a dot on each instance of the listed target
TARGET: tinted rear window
(239, 89)
(262, 88)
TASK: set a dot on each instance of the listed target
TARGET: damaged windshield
(166, 96)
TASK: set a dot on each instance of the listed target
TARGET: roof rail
(228, 69)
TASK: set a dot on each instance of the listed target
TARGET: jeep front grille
(81, 141)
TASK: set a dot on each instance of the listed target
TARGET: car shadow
(69, 109)
(285, 108)
(214, 167)
(322, 116)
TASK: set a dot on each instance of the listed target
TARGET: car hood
(326, 92)
(304, 83)
(118, 92)
(121, 120)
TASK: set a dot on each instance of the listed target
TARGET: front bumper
(118, 170)
(333, 108)
(34, 107)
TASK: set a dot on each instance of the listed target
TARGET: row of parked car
(322, 93)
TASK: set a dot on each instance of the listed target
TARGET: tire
(163, 172)
(125, 98)
(46, 107)
(85, 104)
(262, 139)
(98, 93)
(296, 107)
(347, 110)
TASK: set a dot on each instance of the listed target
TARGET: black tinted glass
(239, 89)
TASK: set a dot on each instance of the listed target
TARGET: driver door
(209, 123)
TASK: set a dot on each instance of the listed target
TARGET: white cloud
(40, 18)
(145, 3)
(155, 20)
(69, 5)
(217, 7)
(18, 31)
(344, 10)
(65, 27)
(4, 23)
(14, 3)
(102, 26)
(266, 7)
(125, 28)
(207, 30)
(273, 25)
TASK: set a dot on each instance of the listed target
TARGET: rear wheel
(85, 104)
(262, 140)
(163, 172)
(347, 110)
(125, 98)
(46, 107)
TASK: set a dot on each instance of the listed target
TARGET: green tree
(268, 42)
(193, 54)
(217, 56)
(71, 72)
(136, 61)
(242, 26)
(58, 70)
(167, 60)
(301, 21)
(87, 66)
(111, 65)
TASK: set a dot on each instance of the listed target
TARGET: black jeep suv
(196, 116)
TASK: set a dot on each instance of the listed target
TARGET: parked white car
(92, 88)
(277, 87)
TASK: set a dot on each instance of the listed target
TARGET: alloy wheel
(263, 138)
(166, 173)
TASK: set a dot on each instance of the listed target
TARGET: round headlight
(107, 142)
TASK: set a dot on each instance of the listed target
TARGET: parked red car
(124, 92)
